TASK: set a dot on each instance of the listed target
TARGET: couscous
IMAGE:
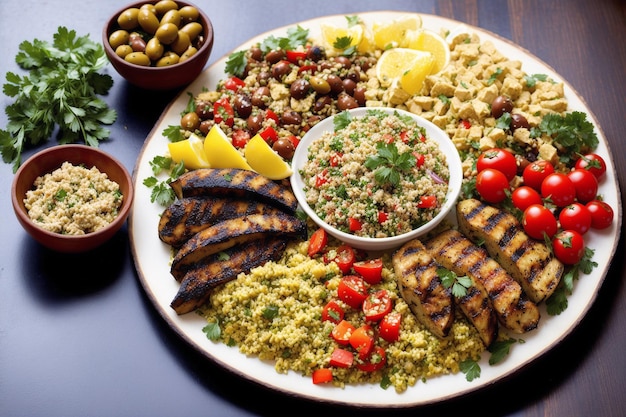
(378, 175)
(73, 200)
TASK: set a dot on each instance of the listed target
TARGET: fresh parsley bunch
(61, 88)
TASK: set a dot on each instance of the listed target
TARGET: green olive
(189, 14)
(172, 16)
(167, 33)
(128, 19)
(165, 6)
(123, 50)
(150, 7)
(138, 58)
(119, 37)
(169, 58)
(190, 121)
(154, 49)
(148, 21)
(181, 44)
(192, 29)
(320, 85)
(191, 51)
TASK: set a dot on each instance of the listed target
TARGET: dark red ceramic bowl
(52, 158)
(160, 78)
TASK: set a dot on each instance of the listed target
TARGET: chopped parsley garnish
(458, 284)
(212, 331)
(389, 163)
(531, 80)
(270, 312)
(572, 132)
(470, 368)
(162, 193)
(557, 303)
(236, 63)
(500, 349)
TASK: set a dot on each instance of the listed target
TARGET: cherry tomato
(341, 358)
(559, 189)
(536, 172)
(371, 270)
(492, 184)
(389, 327)
(538, 220)
(362, 340)
(601, 214)
(377, 305)
(332, 312)
(317, 242)
(499, 159)
(342, 332)
(575, 217)
(240, 138)
(568, 246)
(593, 163)
(344, 256)
(354, 224)
(233, 83)
(427, 202)
(322, 376)
(352, 290)
(525, 196)
(376, 360)
(585, 183)
(223, 112)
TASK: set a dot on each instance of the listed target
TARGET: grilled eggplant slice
(189, 215)
(421, 287)
(231, 232)
(238, 183)
(196, 286)
(527, 260)
(457, 253)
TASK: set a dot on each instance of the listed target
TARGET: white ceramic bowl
(375, 244)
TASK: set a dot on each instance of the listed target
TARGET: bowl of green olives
(159, 45)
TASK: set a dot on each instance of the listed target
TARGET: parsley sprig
(572, 132)
(458, 284)
(61, 88)
(389, 163)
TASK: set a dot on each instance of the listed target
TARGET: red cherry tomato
(342, 332)
(344, 256)
(593, 163)
(352, 290)
(601, 214)
(371, 270)
(575, 217)
(332, 312)
(389, 327)
(377, 305)
(341, 358)
(525, 196)
(427, 202)
(536, 172)
(559, 189)
(585, 183)
(317, 242)
(499, 159)
(322, 376)
(362, 340)
(375, 362)
(538, 220)
(492, 184)
(568, 246)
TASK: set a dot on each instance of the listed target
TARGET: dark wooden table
(78, 336)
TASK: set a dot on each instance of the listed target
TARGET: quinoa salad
(376, 176)
(73, 200)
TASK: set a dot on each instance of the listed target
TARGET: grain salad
(73, 200)
(376, 175)
(274, 313)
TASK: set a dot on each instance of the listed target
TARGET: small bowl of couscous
(376, 177)
(72, 198)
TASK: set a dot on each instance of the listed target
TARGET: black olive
(348, 86)
(517, 121)
(274, 56)
(291, 117)
(284, 147)
(501, 105)
(259, 96)
(243, 105)
(299, 88)
(280, 69)
(345, 102)
(336, 84)
(255, 122)
(316, 53)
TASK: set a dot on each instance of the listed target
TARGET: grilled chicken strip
(421, 287)
(475, 305)
(218, 269)
(527, 260)
(458, 254)
(234, 183)
(189, 215)
(231, 232)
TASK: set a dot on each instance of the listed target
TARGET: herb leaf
(471, 369)
(388, 163)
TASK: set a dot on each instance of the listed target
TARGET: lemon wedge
(341, 38)
(429, 41)
(409, 67)
(393, 34)
(221, 153)
(190, 151)
(264, 160)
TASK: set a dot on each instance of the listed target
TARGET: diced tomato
(234, 83)
(354, 224)
(321, 179)
(240, 138)
(332, 312)
(317, 242)
(419, 159)
(389, 327)
(341, 358)
(362, 340)
(404, 137)
(269, 114)
(465, 124)
(352, 290)
(223, 112)
(322, 376)
(377, 305)
(382, 217)
(269, 134)
(296, 56)
(427, 202)
(307, 68)
(294, 140)
(388, 138)
(335, 159)
(371, 270)
(344, 256)
(376, 360)
(342, 332)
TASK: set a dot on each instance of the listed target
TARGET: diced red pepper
(269, 135)
(269, 114)
(294, 140)
(296, 56)
(234, 83)
(466, 124)
(322, 376)
(307, 68)
(362, 340)
(419, 159)
(240, 138)
(341, 358)
(382, 217)
(223, 112)
(354, 224)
